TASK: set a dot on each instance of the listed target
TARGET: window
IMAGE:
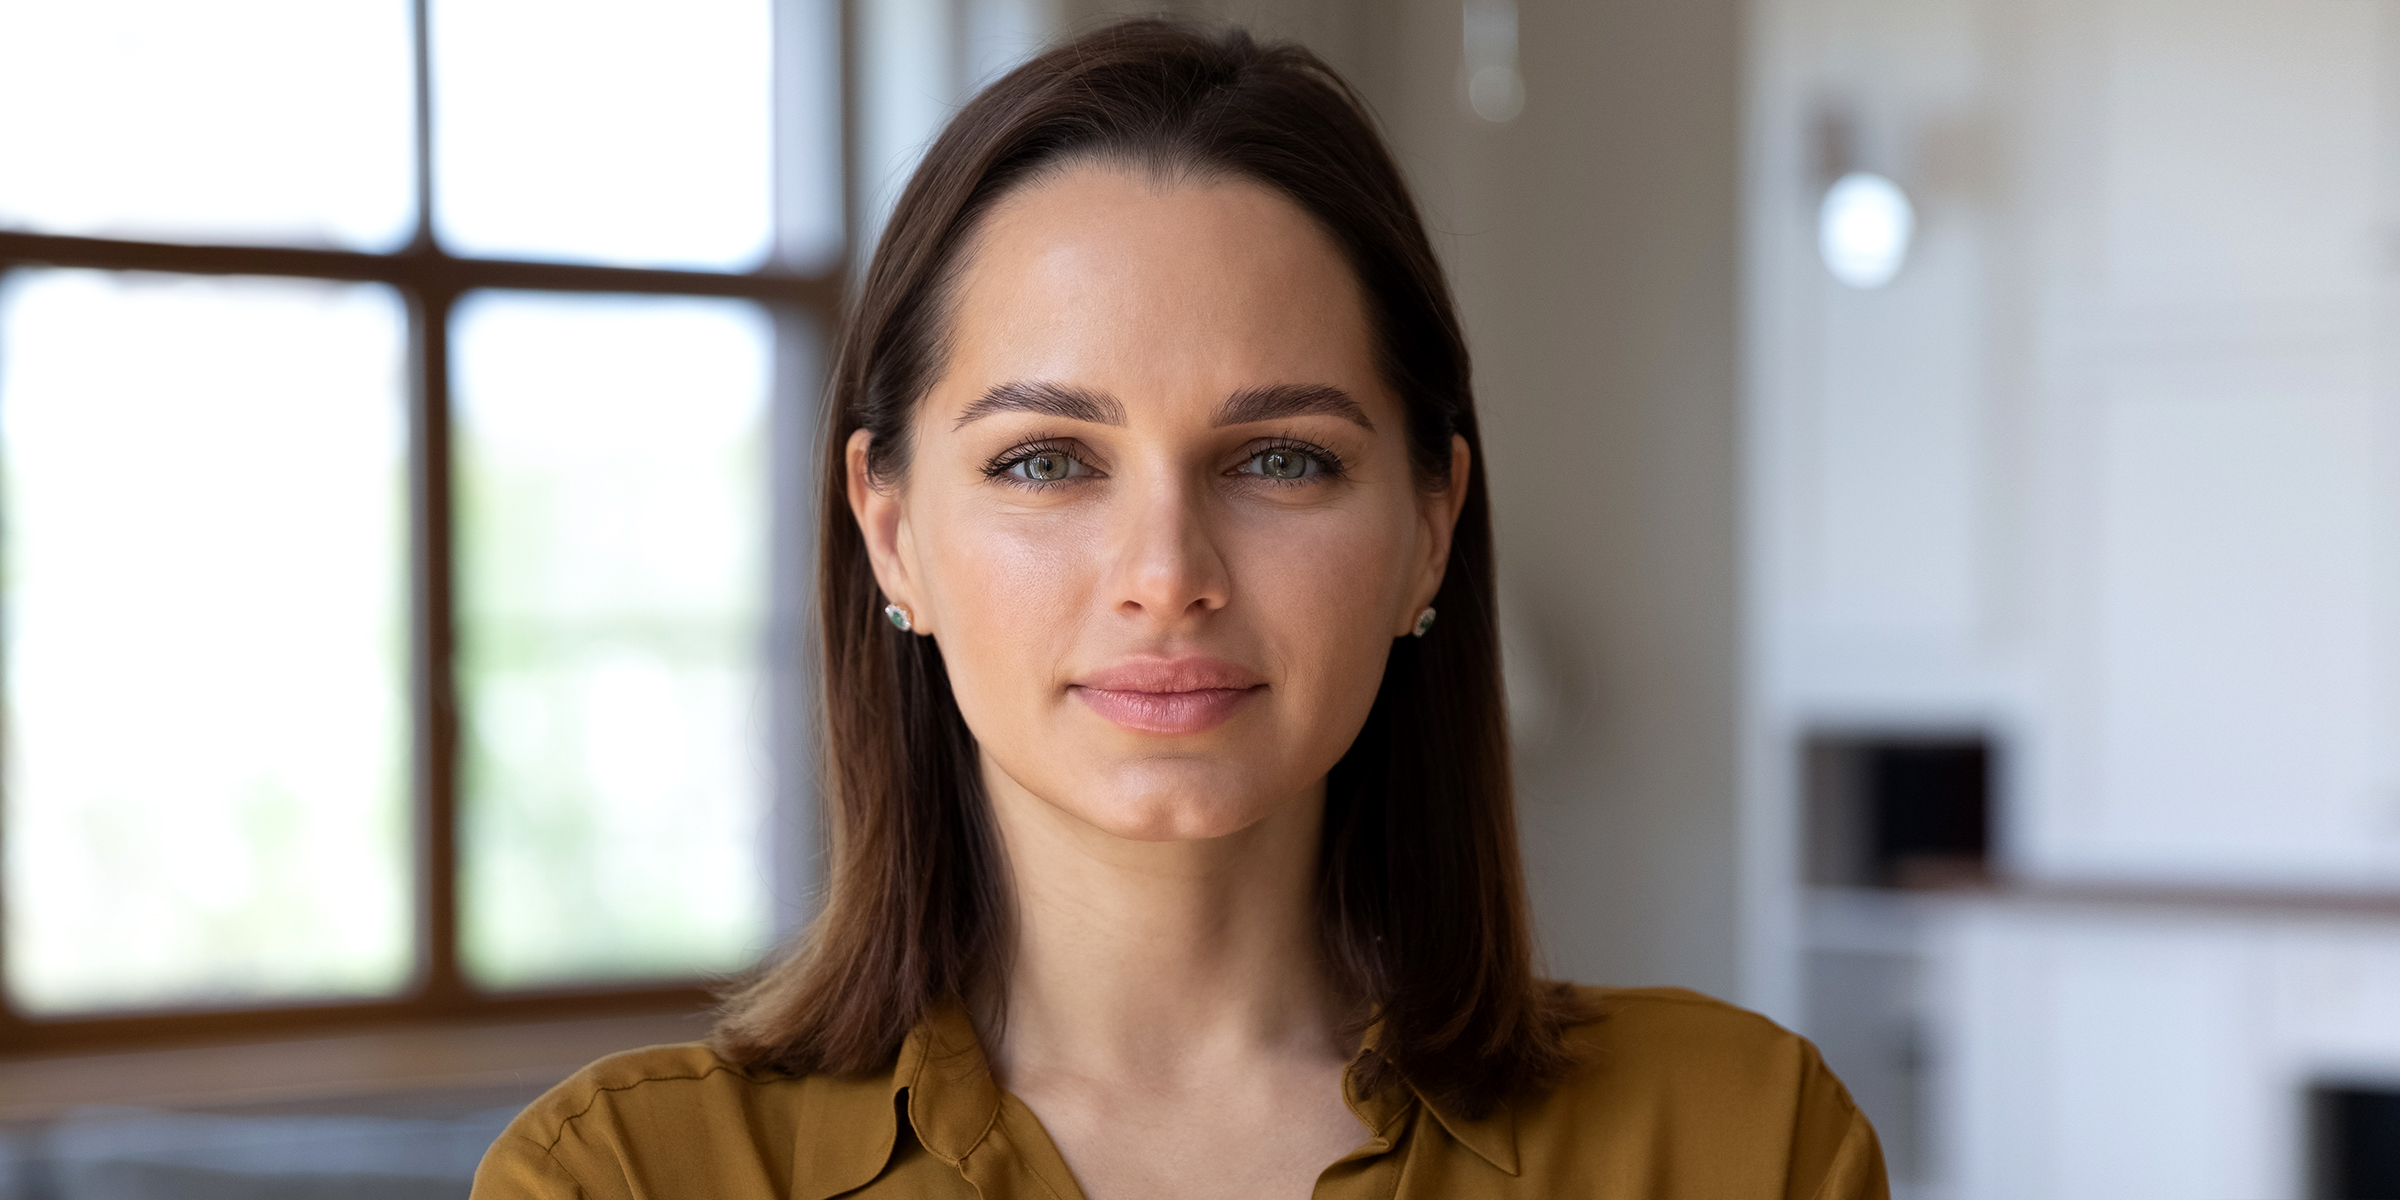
(402, 413)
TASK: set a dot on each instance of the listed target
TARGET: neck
(1160, 959)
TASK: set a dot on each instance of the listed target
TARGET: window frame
(430, 281)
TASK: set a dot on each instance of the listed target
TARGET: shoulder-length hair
(1420, 894)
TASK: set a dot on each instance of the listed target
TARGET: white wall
(1594, 244)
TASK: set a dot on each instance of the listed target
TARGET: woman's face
(1159, 514)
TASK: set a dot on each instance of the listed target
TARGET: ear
(1437, 520)
(877, 510)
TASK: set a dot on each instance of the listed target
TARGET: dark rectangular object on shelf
(2356, 1131)
(1899, 810)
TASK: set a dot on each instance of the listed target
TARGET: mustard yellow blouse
(1679, 1096)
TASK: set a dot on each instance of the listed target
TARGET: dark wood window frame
(430, 281)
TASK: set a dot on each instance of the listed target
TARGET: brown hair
(1420, 895)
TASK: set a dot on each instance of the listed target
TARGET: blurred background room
(1946, 456)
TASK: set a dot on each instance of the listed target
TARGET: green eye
(1283, 464)
(1047, 466)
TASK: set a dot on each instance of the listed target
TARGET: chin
(1176, 804)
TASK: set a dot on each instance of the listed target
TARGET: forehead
(1109, 278)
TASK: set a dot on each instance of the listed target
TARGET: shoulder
(1700, 1090)
(1626, 1030)
(680, 1113)
(1670, 1046)
(632, 1078)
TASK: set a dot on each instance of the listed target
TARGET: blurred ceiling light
(1863, 229)
(1495, 91)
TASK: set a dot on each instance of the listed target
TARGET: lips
(1168, 695)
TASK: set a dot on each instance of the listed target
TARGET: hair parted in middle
(1420, 894)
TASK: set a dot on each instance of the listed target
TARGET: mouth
(1168, 695)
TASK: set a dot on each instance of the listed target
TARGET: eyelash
(1001, 465)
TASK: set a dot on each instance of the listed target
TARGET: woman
(1173, 852)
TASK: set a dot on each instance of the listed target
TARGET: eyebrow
(1271, 402)
(1280, 400)
(1048, 399)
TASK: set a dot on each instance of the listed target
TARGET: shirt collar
(950, 1099)
(828, 1166)
(952, 1102)
(1493, 1136)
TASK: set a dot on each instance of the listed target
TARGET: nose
(1167, 567)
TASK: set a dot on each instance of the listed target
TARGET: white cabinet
(2112, 468)
(2211, 371)
(2117, 1054)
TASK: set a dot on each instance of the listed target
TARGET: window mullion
(440, 983)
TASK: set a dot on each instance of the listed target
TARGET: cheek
(1332, 570)
(1323, 590)
(1008, 592)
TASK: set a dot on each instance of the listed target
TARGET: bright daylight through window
(388, 456)
(206, 652)
(612, 502)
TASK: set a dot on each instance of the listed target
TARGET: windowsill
(520, 1055)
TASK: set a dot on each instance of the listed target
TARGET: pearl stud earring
(898, 616)
(1424, 623)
